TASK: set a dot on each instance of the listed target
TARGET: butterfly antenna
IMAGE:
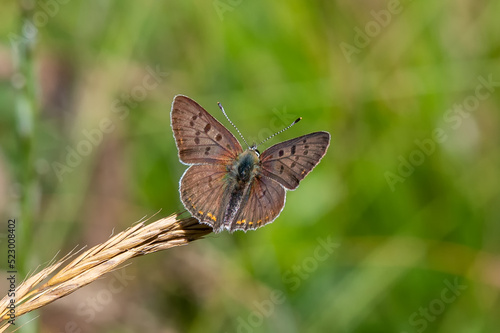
(279, 132)
(237, 130)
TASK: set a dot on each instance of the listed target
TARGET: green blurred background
(396, 230)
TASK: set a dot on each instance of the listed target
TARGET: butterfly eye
(257, 151)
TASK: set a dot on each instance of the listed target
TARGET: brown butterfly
(228, 187)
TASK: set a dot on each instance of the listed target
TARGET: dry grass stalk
(138, 240)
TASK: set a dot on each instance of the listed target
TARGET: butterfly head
(253, 148)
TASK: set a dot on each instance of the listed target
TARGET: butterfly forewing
(266, 199)
(203, 189)
(200, 138)
(290, 161)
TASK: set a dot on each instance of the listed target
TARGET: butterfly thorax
(244, 167)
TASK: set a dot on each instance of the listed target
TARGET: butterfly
(230, 188)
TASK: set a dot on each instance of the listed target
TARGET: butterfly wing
(200, 138)
(203, 193)
(290, 161)
(265, 200)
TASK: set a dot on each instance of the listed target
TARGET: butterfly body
(240, 177)
(228, 187)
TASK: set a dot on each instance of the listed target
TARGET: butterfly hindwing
(263, 204)
(290, 161)
(200, 138)
(203, 189)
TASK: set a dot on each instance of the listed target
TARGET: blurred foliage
(413, 214)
